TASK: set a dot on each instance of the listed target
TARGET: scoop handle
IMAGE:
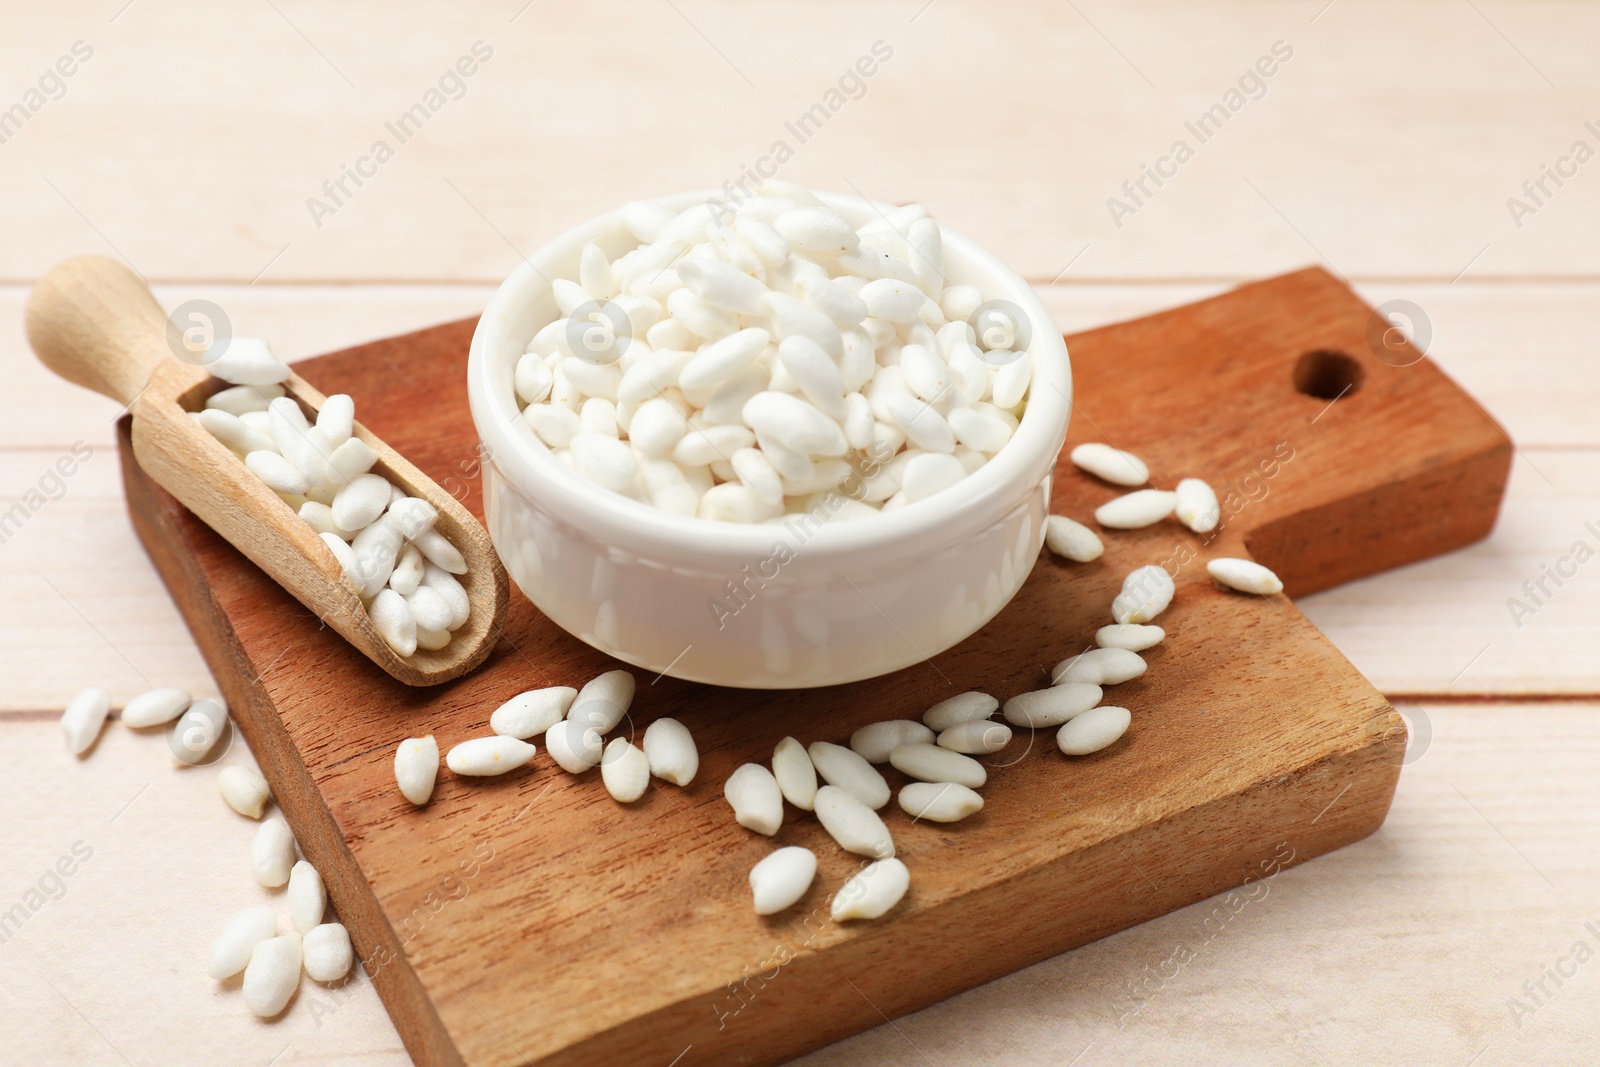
(97, 324)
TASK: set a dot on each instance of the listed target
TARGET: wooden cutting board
(531, 919)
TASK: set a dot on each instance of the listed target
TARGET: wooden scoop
(96, 323)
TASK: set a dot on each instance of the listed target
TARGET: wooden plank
(1289, 176)
(639, 995)
(1520, 348)
(1391, 626)
(1447, 626)
(1486, 861)
(108, 967)
(90, 605)
(1307, 969)
(1410, 631)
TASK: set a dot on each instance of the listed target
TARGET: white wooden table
(191, 138)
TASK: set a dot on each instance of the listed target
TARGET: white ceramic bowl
(802, 604)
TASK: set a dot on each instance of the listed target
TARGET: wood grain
(1478, 99)
(1400, 949)
(110, 971)
(553, 859)
(1411, 631)
(1308, 968)
(1482, 334)
(97, 611)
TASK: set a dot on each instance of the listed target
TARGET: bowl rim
(958, 510)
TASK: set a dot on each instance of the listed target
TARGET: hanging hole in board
(1327, 374)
